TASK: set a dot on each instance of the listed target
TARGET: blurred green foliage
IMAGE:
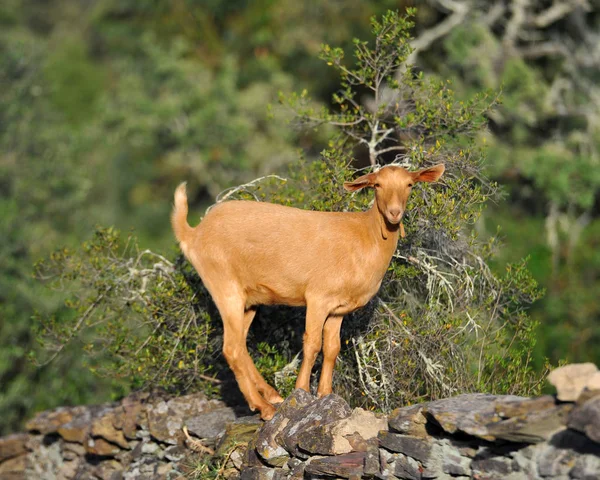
(544, 147)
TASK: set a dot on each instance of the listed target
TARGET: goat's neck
(386, 234)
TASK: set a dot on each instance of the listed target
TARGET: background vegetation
(105, 106)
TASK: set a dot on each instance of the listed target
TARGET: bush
(442, 322)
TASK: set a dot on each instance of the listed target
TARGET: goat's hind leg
(236, 353)
(267, 391)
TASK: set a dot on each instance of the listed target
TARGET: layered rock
(140, 437)
(467, 436)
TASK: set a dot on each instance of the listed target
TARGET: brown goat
(255, 253)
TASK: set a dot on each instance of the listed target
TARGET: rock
(414, 447)
(409, 420)
(76, 430)
(529, 420)
(13, 467)
(13, 446)
(587, 467)
(349, 465)
(343, 436)
(240, 431)
(164, 425)
(268, 446)
(127, 416)
(100, 447)
(48, 422)
(149, 448)
(586, 419)
(479, 414)
(317, 414)
(491, 467)
(68, 470)
(175, 453)
(167, 417)
(571, 380)
(456, 465)
(372, 461)
(73, 450)
(211, 424)
(407, 468)
(558, 457)
(104, 427)
(263, 473)
(109, 470)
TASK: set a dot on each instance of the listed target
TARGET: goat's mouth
(393, 219)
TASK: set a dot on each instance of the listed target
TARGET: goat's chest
(357, 289)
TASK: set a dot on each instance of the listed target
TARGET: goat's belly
(354, 300)
(266, 295)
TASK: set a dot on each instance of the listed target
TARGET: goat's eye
(377, 185)
(410, 184)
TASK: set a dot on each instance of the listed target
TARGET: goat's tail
(181, 228)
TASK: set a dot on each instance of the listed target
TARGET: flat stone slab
(504, 417)
(349, 466)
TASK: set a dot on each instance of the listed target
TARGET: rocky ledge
(469, 436)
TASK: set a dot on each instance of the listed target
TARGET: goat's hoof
(267, 413)
(275, 400)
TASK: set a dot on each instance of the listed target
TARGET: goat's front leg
(313, 339)
(331, 348)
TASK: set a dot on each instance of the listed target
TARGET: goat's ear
(431, 174)
(367, 180)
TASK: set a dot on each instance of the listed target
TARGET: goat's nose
(395, 212)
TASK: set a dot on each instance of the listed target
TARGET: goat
(256, 253)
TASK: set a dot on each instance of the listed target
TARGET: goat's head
(392, 186)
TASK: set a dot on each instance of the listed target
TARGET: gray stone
(409, 420)
(455, 464)
(530, 420)
(414, 447)
(496, 466)
(211, 424)
(587, 467)
(268, 446)
(407, 468)
(316, 414)
(586, 419)
(175, 453)
(506, 417)
(386, 463)
(149, 448)
(347, 435)
(263, 473)
(372, 461)
(167, 417)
